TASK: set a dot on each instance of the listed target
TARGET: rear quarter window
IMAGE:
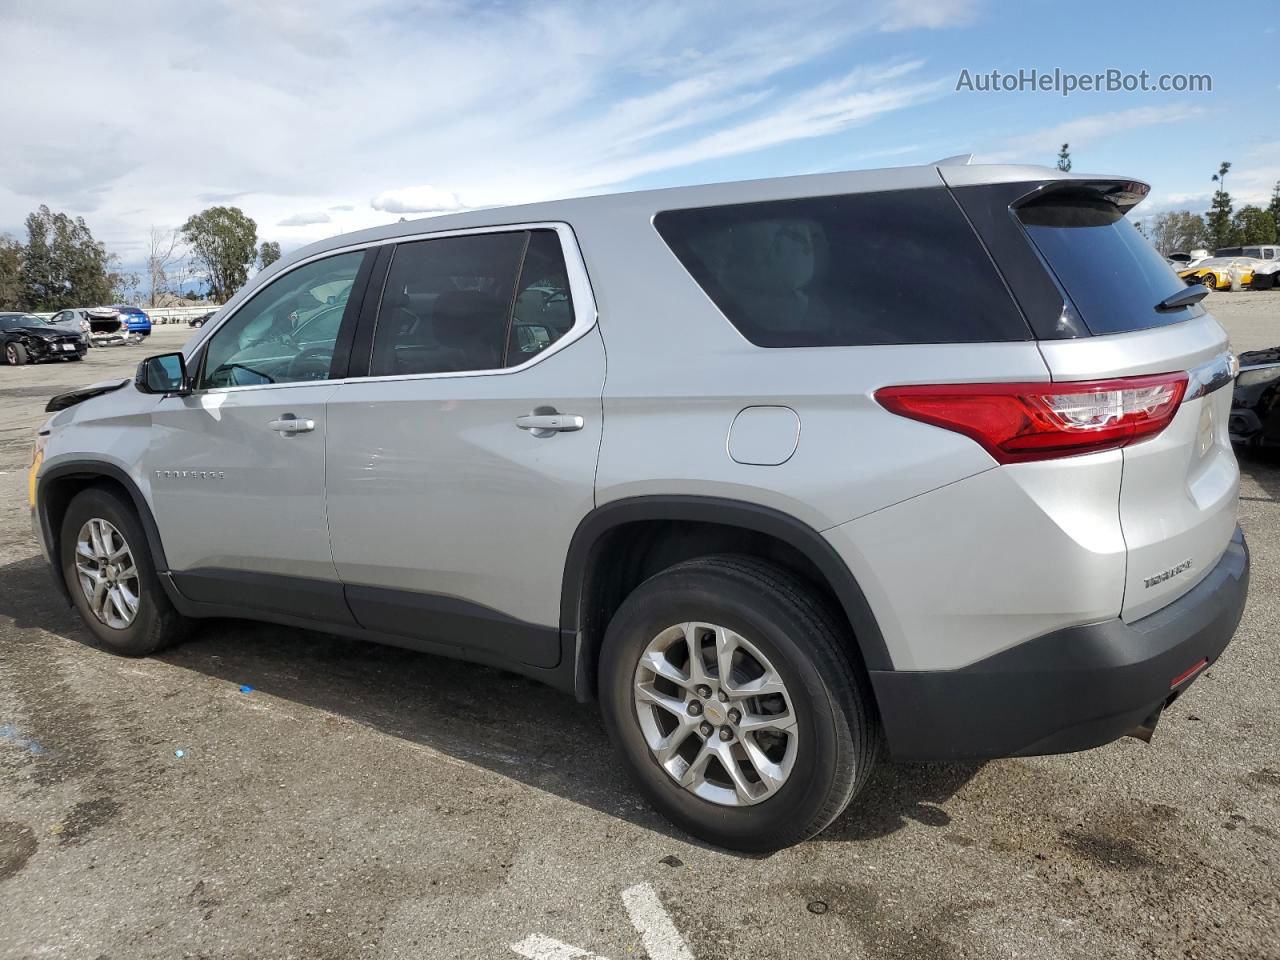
(1112, 274)
(893, 267)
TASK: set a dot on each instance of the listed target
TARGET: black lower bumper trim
(1069, 690)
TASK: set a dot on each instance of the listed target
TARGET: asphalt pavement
(268, 792)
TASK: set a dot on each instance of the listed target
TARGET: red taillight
(1017, 422)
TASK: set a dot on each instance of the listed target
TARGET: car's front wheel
(728, 687)
(1210, 280)
(15, 354)
(113, 582)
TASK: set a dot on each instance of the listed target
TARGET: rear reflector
(1187, 674)
(1017, 422)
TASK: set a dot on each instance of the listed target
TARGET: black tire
(15, 354)
(809, 647)
(156, 624)
(1210, 280)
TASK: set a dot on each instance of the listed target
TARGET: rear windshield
(1110, 271)
(899, 266)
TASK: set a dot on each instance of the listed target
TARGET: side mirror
(166, 373)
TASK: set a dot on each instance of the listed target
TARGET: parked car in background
(72, 320)
(28, 339)
(106, 326)
(1266, 276)
(1255, 403)
(1265, 251)
(1216, 272)
(137, 323)
(198, 322)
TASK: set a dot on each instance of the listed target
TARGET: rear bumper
(1068, 690)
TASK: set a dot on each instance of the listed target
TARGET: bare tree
(165, 251)
(1179, 230)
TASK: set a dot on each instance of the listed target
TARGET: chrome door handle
(545, 424)
(289, 425)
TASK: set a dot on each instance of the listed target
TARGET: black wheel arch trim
(728, 512)
(92, 470)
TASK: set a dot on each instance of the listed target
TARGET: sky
(325, 116)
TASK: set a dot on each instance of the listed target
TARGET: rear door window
(893, 267)
(1112, 274)
(471, 303)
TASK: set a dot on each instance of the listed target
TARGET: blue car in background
(137, 321)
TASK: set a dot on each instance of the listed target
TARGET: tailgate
(1178, 496)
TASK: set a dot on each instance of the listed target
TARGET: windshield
(1111, 272)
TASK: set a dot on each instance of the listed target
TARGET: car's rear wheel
(109, 571)
(15, 354)
(728, 688)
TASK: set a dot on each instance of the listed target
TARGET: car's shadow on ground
(496, 720)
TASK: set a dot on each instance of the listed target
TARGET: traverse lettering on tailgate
(1169, 574)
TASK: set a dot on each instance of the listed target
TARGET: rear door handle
(288, 424)
(545, 424)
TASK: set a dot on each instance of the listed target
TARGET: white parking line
(649, 917)
(538, 947)
(661, 939)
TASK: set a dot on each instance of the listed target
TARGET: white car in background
(1266, 276)
(101, 326)
(70, 321)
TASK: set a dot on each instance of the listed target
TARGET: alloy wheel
(107, 573)
(715, 714)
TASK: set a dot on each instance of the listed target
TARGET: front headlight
(37, 458)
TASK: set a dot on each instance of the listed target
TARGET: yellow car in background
(1216, 272)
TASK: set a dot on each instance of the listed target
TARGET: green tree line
(1221, 225)
(61, 265)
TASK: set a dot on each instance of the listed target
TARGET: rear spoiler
(1123, 194)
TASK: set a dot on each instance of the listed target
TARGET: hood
(44, 330)
(80, 394)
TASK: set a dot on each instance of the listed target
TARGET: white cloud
(929, 14)
(421, 199)
(306, 219)
(1253, 178)
(292, 107)
(1035, 147)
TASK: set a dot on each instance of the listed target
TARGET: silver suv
(931, 460)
